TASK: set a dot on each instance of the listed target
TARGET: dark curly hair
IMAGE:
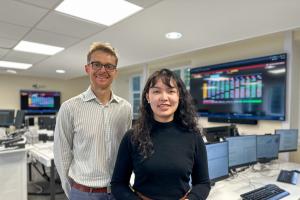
(185, 114)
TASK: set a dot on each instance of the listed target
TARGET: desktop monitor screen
(267, 147)
(242, 151)
(7, 118)
(20, 117)
(217, 157)
(288, 139)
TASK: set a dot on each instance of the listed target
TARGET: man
(89, 129)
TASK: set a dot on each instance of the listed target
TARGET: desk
(250, 179)
(13, 174)
(43, 153)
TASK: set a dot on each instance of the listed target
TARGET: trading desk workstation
(239, 165)
(20, 146)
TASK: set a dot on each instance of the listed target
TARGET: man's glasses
(98, 65)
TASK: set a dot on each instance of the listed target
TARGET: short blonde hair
(105, 47)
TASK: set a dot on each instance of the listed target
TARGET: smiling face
(101, 78)
(163, 100)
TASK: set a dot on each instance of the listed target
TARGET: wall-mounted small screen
(39, 102)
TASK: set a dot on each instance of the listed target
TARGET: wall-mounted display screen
(39, 102)
(246, 89)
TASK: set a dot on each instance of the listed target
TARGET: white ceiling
(140, 37)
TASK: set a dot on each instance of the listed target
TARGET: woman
(165, 147)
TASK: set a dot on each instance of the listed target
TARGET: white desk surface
(12, 150)
(43, 152)
(251, 179)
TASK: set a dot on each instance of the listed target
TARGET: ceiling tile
(3, 52)
(10, 31)
(7, 43)
(67, 25)
(44, 3)
(20, 13)
(50, 38)
(18, 56)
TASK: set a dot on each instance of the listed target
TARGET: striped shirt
(87, 137)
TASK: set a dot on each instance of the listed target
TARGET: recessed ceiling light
(100, 11)
(173, 35)
(60, 71)
(11, 71)
(14, 65)
(39, 48)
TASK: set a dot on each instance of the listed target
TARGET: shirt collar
(90, 95)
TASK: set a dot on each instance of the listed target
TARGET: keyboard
(288, 177)
(267, 192)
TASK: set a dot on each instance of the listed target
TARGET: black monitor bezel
(265, 159)
(244, 164)
(225, 176)
(289, 150)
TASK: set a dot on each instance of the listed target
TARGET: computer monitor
(288, 139)
(47, 122)
(218, 158)
(19, 120)
(242, 151)
(214, 134)
(7, 118)
(267, 147)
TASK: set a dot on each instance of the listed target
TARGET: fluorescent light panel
(14, 65)
(60, 71)
(106, 12)
(38, 48)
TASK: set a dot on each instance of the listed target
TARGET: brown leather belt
(84, 188)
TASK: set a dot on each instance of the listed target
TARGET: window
(135, 89)
(184, 74)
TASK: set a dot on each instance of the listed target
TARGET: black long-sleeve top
(178, 154)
